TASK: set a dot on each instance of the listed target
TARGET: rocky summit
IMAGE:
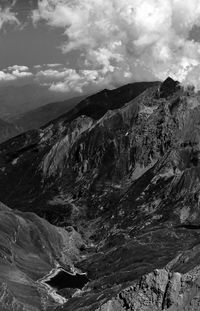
(109, 193)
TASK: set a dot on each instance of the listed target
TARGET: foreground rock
(159, 290)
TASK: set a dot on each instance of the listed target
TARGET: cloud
(69, 80)
(15, 73)
(4, 77)
(53, 65)
(37, 66)
(21, 74)
(77, 81)
(8, 17)
(54, 76)
(128, 39)
(61, 79)
(18, 68)
(48, 66)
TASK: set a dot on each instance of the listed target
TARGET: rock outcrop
(159, 290)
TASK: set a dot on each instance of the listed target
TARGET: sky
(78, 46)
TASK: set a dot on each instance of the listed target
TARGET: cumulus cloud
(56, 77)
(18, 68)
(15, 73)
(69, 80)
(4, 77)
(8, 17)
(21, 74)
(126, 40)
(53, 65)
(77, 81)
(48, 66)
(37, 66)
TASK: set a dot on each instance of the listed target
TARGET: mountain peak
(168, 87)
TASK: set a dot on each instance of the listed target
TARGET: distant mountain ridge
(38, 117)
(94, 105)
(15, 100)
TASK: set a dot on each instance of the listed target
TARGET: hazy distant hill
(15, 100)
(42, 115)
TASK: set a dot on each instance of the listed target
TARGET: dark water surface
(66, 280)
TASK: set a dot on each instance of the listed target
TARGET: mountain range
(33, 119)
(111, 189)
(38, 117)
(22, 98)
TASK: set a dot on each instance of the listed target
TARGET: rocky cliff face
(125, 176)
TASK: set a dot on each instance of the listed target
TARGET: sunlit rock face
(159, 290)
(126, 177)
